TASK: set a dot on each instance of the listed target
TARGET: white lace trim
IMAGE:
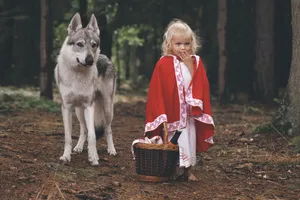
(205, 118)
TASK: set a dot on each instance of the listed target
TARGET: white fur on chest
(76, 86)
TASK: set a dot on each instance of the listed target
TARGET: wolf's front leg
(92, 150)
(67, 119)
(80, 116)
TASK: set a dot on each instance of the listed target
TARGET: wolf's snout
(89, 60)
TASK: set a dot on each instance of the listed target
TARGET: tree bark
(6, 43)
(83, 12)
(221, 26)
(264, 86)
(106, 35)
(45, 54)
(22, 53)
(127, 60)
(288, 116)
(118, 60)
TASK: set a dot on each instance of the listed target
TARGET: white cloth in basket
(153, 140)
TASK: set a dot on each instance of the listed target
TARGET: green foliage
(269, 128)
(284, 127)
(60, 33)
(296, 142)
(253, 110)
(263, 128)
(129, 34)
(127, 39)
(103, 7)
(60, 27)
(277, 100)
(18, 99)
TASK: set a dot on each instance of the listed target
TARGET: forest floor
(243, 164)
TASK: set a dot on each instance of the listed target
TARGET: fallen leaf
(116, 183)
(246, 165)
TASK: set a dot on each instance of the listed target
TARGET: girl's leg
(190, 176)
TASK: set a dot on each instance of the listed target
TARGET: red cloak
(168, 100)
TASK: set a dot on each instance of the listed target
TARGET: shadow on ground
(241, 165)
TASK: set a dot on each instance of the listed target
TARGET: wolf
(86, 80)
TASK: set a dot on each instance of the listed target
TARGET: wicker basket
(155, 162)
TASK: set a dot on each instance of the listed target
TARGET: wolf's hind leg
(92, 150)
(67, 119)
(110, 144)
(83, 130)
(108, 112)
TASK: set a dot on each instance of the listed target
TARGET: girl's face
(180, 44)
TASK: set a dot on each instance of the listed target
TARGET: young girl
(179, 95)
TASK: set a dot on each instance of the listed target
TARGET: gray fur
(86, 80)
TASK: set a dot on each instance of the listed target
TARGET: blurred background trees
(246, 44)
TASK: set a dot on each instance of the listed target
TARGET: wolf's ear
(75, 24)
(93, 25)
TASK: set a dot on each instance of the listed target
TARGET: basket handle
(165, 139)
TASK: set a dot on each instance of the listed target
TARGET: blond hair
(179, 28)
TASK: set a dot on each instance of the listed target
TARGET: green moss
(264, 128)
(11, 100)
(296, 142)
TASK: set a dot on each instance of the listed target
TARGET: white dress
(187, 139)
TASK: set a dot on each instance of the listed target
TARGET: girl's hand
(188, 60)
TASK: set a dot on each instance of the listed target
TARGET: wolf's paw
(112, 152)
(65, 158)
(93, 157)
(78, 149)
(94, 162)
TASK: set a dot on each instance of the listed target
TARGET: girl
(179, 95)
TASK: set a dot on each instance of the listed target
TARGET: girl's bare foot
(192, 178)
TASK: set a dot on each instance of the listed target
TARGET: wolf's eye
(79, 44)
(94, 45)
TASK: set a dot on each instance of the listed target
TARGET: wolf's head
(82, 46)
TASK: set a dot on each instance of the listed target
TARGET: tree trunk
(133, 65)
(288, 116)
(127, 60)
(222, 21)
(22, 53)
(264, 86)
(6, 43)
(83, 12)
(283, 40)
(118, 60)
(45, 47)
(106, 35)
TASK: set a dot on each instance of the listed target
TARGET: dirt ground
(241, 165)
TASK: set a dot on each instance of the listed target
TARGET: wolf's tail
(104, 109)
(100, 119)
